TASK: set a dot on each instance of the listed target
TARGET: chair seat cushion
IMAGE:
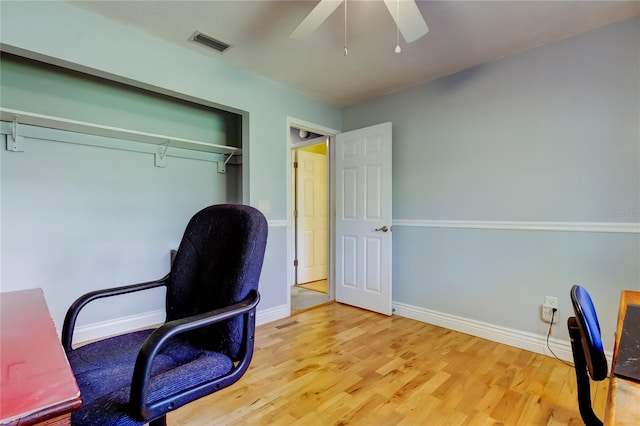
(104, 370)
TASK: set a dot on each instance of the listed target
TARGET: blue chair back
(589, 327)
(217, 264)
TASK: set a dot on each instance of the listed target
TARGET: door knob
(383, 229)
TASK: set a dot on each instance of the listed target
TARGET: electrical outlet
(551, 301)
(547, 314)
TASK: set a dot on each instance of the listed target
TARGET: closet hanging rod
(59, 123)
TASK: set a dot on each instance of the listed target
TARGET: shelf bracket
(222, 166)
(162, 152)
(15, 142)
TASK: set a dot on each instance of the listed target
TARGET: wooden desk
(623, 400)
(37, 385)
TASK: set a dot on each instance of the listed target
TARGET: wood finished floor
(319, 286)
(338, 365)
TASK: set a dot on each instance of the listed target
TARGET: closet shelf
(59, 123)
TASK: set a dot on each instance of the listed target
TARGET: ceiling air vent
(209, 41)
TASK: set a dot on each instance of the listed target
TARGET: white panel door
(363, 218)
(311, 200)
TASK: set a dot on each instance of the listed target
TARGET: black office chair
(588, 354)
(205, 344)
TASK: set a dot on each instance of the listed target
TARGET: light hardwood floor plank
(319, 286)
(339, 365)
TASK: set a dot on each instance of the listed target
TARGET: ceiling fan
(405, 13)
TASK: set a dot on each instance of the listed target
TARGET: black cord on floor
(553, 315)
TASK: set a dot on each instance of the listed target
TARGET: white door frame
(330, 133)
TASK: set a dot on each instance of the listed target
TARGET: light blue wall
(68, 34)
(551, 134)
(59, 33)
(77, 218)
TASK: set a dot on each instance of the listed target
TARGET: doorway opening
(359, 214)
(310, 204)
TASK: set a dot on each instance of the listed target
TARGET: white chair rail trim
(277, 223)
(612, 227)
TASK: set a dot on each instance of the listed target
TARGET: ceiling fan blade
(315, 18)
(411, 24)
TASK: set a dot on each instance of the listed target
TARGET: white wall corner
(516, 338)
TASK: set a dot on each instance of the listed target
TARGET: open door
(311, 213)
(363, 218)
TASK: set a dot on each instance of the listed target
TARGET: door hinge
(295, 164)
(295, 213)
(295, 262)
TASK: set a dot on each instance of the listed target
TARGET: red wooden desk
(37, 385)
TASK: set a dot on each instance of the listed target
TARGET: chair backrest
(218, 262)
(590, 337)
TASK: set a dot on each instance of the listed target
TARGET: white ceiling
(462, 34)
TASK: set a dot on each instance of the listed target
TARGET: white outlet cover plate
(551, 301)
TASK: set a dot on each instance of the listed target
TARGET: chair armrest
(72, 313)
(150, 348)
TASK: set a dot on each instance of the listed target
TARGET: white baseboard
(516, 338)
(272, 314)
(508, 336)
(102, 329)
